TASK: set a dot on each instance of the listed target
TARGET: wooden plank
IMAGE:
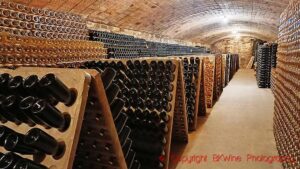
(202, 98)
(97, 92)
(76, 79)
(180, 123)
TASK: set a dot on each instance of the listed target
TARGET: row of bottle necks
(9, 7)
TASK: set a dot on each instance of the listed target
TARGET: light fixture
(225, 20)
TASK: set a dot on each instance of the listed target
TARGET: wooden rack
(98, 119)
(171, 112)
(180, 124)
(89, 87)
(77, 79)
(202, 110)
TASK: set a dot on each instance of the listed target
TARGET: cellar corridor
(239, 124)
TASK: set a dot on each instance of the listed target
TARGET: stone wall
(242, 46)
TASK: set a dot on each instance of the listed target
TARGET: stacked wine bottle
(231, 67)
(165, 49)
(274, 47)
(22, 20)
(125, 46)
(287, 88)
(209, 81)
(31, 51)
(218, 82)
(191, 73)
(121, 46)
(147, 91)
(31, 101)
(264, 63)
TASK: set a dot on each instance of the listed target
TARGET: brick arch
(174, 18)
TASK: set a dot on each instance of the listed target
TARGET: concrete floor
(240, 124)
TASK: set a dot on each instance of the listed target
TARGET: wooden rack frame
(88, 85)
(76, 79)
(202, 96)
(98, 116)
(180, 124)
(170, 113)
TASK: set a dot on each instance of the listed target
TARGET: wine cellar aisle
(149, 84)
(240, 124)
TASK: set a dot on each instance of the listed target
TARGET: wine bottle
(127, 147)
(135, 83)
(137, 64)
(50, 115)
(8, 160)
(164, 116)
(124, 135)
(140, 103)
(15, 86)
(108, 76)
(153, 65)
(4, 79)
(12, 113)
(170, 76)
(112, 92)
(133, 93)
(139, 113)
(145, 65)
(15, 142)
(55, 87)
(121, 66)
(100, 65)
(120, 122)
(170, 66)
(130, 64)
(161, 65)
(43, 142)
(4, 132)
(28, 164)
(116, 107)
(31, 85)
(149, 104)
(25, 106)
(113, 65)
(129, 74)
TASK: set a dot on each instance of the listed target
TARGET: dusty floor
(240, 125)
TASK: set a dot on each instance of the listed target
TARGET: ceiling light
(225, 20)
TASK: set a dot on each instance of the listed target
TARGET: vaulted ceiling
(205, 21)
